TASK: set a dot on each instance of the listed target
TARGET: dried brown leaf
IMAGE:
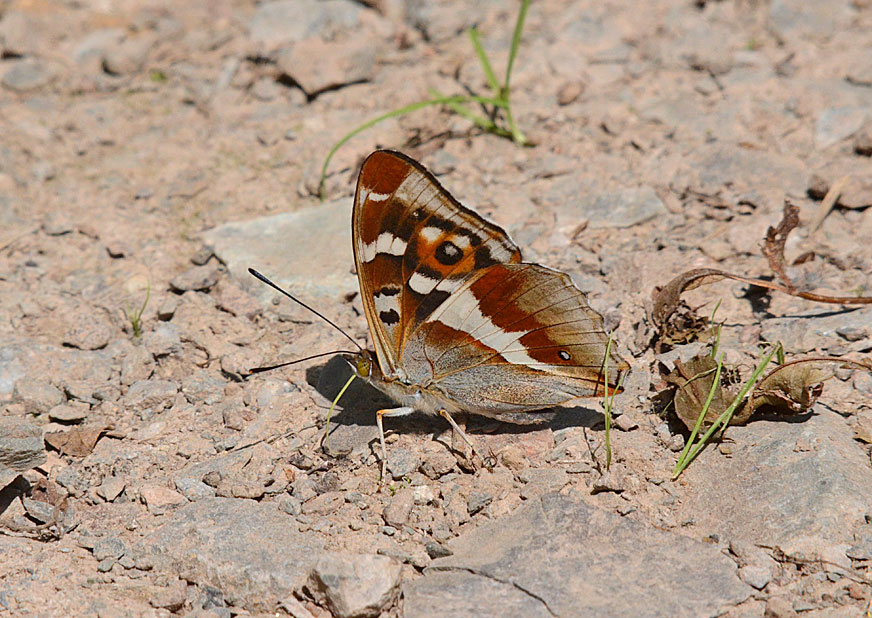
(76, 441)
(693, 380)
(776, 237)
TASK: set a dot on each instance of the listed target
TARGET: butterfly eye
(363, 367)
(564, 355)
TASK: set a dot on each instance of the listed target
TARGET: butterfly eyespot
(564, 355)
(448, 253)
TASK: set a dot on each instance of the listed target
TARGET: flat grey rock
(26, 74)
(355, 585)
(559, 557)
(623, 208)
(286, 21)
(251, 552)
(21, 446)
(308, 252)
(784, 480)
(837, 123)
(838, 332)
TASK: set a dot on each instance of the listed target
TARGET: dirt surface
(153, 151)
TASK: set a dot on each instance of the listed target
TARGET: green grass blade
(397, 112)
(330, 411)
(680, 464)
(724, 418)
(485, 63)
(516, 42)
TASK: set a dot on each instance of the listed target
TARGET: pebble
(109, 547)
(626, 422)
(324, 504)
(38, 396)
(477, 501)
(38, 510)
(756, 576)
(26, 74)
(437, 461)
(353, 586)
(111, 488)
(160, 499)
(198, 278)
(150, 394)
(164, 340)
(72, 412)
(400, 508)
(437, 550)
(402, 462)
(569, 92)
(193, 489)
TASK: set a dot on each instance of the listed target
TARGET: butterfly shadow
(352, 424)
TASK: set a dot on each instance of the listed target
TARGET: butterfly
(459, 322)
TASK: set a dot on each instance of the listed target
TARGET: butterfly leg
(391, 412)
(444, 414)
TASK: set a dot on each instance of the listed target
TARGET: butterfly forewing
(414, 245)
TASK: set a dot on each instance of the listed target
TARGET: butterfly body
(459, 322)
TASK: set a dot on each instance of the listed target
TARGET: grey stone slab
(308, 252)
(21, 446)
(837, 332)
(556, 556)
(251, 552)
(784, 480)
(286, 21)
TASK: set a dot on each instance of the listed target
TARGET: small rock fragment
(160, 499)
(38, 396)
(355, 586)
(397, 512)
(477, 501)
(755, 575)
(111, 488)
(172, 597)
(163, 340)
(72, 412)
(198, 278)
(569, 92)
(109, 547)
(402, 462)
(324, 504)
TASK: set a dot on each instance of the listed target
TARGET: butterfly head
(363, 364)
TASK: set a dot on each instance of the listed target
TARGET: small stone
(57, 225)
(477, 501)
(437, 462)
(172, 597)
(290, 505)
(626, 422)
(779, 607)
(198, 278)
(837, 123)
(125, 57)
(88, 330)
(612, 480)
(111, 488)
(167, 309)
(402, 462)
(863, 143)
(43, 171)
(203, 255)
(400, 508)
(423, 494)
(104, 566)
(163, 340)
(40, 511)
(72, 412)
(569, 92)
(160, 499)
(26, 74)
(150, 394)
(437, 550)
(109, 547)
(755, 575)
(193, 489)
(203, 387)
(355, 586)
(38, 396)
(513, 458)
(324, 504)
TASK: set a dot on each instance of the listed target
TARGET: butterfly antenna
(305, 306)
(299, 360)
